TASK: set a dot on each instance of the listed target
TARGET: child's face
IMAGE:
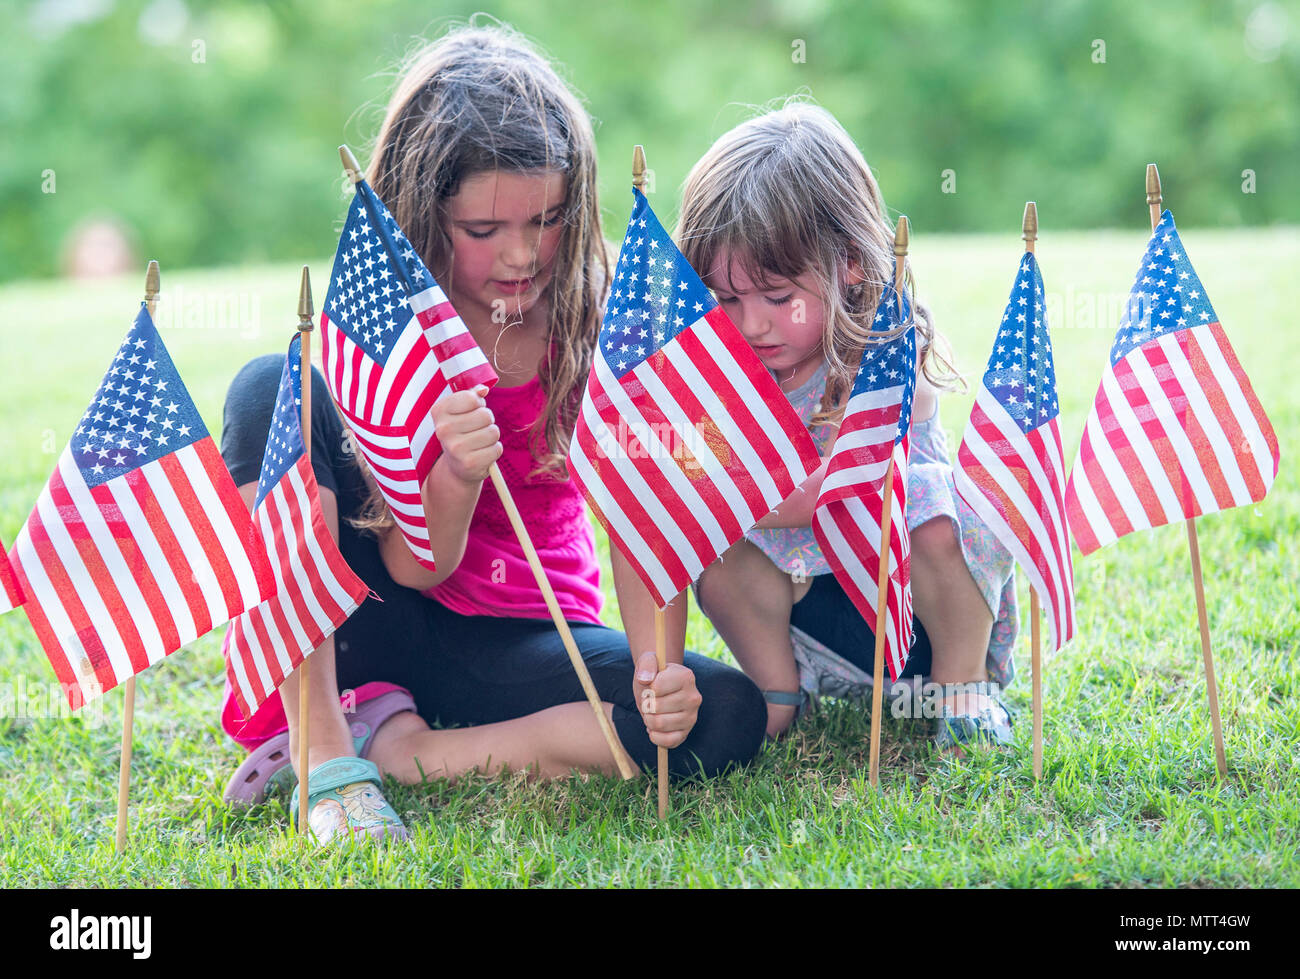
(783, 324)
(505, 229)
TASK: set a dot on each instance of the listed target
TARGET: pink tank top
(493, 578)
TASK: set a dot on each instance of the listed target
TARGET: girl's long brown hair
(481, 99)
(790, 195)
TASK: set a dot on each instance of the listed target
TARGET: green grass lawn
(1129, 795)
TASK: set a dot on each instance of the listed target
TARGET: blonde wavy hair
(478, 99)
(790, 196)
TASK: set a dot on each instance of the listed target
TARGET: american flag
(315, 589)
(684, 440)
(1011, 466)
(11, 596)
(391, 346)
(846, 522)
(1175, 430)
(138, 543)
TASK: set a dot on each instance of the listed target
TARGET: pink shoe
(269, 763)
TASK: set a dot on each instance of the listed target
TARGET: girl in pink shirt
(487, 161)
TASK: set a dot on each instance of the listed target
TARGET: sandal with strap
(345, 797)
(268, 765)
(990, 724)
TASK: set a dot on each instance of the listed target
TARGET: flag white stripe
(1165, 415)
(463, 361)
(343, 601)
(730, 430)
(1232, 390)
(1150, 463)
(42, 593)
(249, 593)
(1224, 453)
(119, 572)
(620, 522)
(856, 510)
(428, 299)
(1085, 496)
(1055, 536)
(177, 604)
(681, 483)
(267, 520)
(658, 517)
(292, 496)
(191, 547)
(751, 399)
(65, 552)
(246, 648)
(1116, 478)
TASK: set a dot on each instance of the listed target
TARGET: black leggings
(478, 669)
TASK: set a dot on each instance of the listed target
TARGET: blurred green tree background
(208, 129)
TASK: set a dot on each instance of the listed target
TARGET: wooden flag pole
(621, 759)
(305, 315)
(661, 625)
(1155, 202)
(152, 286)
(1029, 231)
(901, 237)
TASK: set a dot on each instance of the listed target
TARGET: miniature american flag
(1175, 430)
(1011, 466)
(315, 589)
(11, 596)
(137, 544)
(847, 519)
(684, 440)
(391, 346)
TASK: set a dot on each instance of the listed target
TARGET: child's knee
(935, 540)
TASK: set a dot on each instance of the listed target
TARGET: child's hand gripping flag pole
(867, 469)
(1175, 430)
(11, 595)
(315, 589)
(385, 370)
(137, 543)
(1011, 465)
(684, 440)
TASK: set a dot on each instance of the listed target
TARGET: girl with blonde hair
(783, 219)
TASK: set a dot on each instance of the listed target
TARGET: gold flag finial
(1155, 199)
(350, 165)
(902, 237)
(152, 286)
(305, 309)
(1029, 226)
(638, 167)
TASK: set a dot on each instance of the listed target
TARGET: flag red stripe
(136, 560)
(1130, 463)
(692, 411)
(651, 535)
(750, 429)
(40, 623)
(1100, 485)
(131, 641)
(61, 582)
(204, 531)
(1243, 458)
(1175, 460)
(758, 375)
(177, 561)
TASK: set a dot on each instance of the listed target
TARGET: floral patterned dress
(931, 493)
